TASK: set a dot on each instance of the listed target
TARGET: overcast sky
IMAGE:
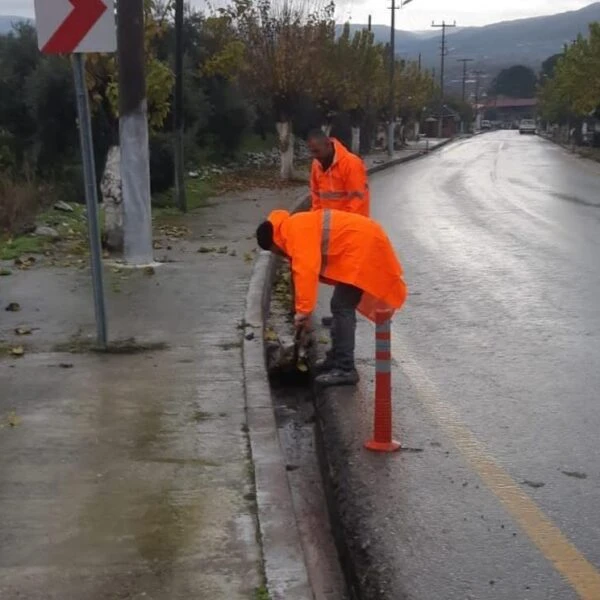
(416, 16)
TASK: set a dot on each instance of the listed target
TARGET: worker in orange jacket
(349, 251)
(338, 179)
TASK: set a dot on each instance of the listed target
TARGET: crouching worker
(346, 250)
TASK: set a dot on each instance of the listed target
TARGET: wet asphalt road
(496, 380)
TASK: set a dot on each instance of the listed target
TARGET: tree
(280, 42)
(103, 75)
(573, 89)
(516, 82)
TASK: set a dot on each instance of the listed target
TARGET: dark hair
(264, 235)
(318, 135)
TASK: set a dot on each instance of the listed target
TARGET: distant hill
(525, 41)
(7, 22)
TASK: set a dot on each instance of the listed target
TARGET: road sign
(75, 26)
(78, 27)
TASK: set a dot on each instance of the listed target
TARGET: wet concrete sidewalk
(129, 475)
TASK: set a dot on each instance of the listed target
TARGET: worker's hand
(301, 321)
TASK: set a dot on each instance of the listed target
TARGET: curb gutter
(284, 563)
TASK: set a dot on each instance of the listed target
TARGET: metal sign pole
(91, 195)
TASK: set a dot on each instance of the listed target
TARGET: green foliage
(573, 87)
(516, 82)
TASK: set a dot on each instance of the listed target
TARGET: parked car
(485, 124)
(527, 126)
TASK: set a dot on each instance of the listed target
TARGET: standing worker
(349, 251)
(338, 179)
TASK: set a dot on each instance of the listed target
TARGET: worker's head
(268, 233)
(320, 146)
(264, 235)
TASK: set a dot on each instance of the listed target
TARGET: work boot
(327, 321)
(337, 377)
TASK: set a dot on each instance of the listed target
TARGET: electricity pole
(178, 123)
(133, 134)
(478, 75)
(393, 8)
(443, 27)
(369, 25)
(464, 61)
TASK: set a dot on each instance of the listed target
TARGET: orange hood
(277, 218)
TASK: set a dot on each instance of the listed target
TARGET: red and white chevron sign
(75, 26)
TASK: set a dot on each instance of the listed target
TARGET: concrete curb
(404, 159)
(285, 567)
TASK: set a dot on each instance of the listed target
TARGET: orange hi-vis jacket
(344, 186)
(333, 246)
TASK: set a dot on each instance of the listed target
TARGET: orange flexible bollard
(382, 437)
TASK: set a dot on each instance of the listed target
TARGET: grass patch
(254, 143)
(262, 593)
(12, 248)
(71, 227)
(198, 191)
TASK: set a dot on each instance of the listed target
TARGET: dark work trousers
(344, 301)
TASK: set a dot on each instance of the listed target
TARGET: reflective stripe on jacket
(340, 247)
(344, 186)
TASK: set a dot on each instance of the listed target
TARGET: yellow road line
(552, 543)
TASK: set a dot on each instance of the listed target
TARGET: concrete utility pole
(369, 27)
(478, 75)
(464, 61)
(133, 133)
(443, 25)
(393, 8)
(178, 123)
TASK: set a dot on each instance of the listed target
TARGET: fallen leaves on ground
(10, 420)
(271, 336)
(149, 271)
(23, 331)
(173, 231)
(25, 263)
(258, 178)
(5, 272)
(13, 307)
(17, 351)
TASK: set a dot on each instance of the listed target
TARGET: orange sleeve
(357, 186)
(314, 189)
(306, 264)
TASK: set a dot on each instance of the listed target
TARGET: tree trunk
(133, 134)
(356, 140)
(286, 148)
(112, 199)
